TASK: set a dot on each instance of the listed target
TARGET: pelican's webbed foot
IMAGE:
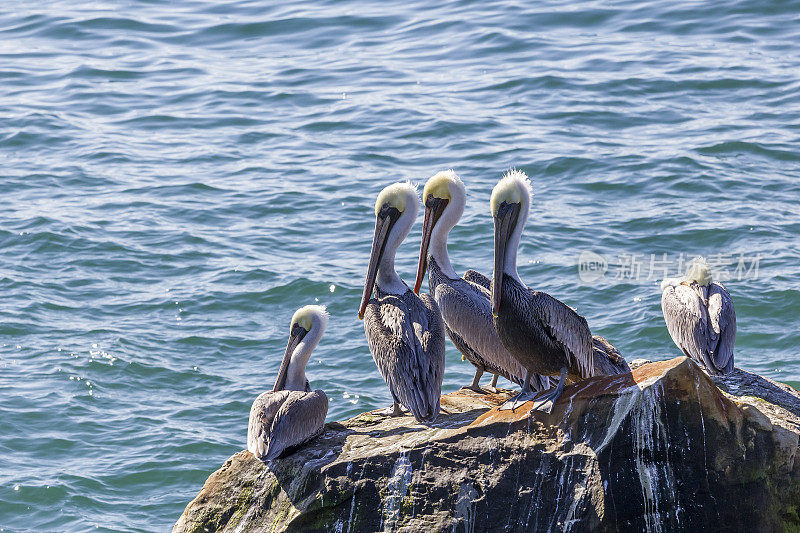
(518, 401)
(396, 410)
(525, 395)
(548, 401)
(493, 385)
(474, 388)
(393, 411)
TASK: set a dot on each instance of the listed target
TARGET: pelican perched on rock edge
(545, 335)
(464, 302)
(405, 332)
(607, 359)
(700, 317)
(291, 413)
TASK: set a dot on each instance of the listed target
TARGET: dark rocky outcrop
(663, 448)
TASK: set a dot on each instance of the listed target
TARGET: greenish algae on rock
(664, 448)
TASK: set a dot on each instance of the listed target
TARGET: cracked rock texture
(664, 448)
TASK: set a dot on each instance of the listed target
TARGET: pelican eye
(504, 207)
(431, 199)
(301, 325)
(389, 211)
(441, 192)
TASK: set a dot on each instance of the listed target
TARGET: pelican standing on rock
(405, 332)
(545, 335)
(291, 413)
(464, 302)
(700, 317)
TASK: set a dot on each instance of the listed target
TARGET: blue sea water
(178, 177)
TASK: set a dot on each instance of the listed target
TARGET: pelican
(607, 359)
(464, 302)
(291, 413)
(700, 317)
(405, 332)
(545, 335)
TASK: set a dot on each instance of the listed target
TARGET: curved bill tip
(417, 285)
(360, 315)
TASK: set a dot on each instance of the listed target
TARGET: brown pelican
(291, 413)
(545, 335)
(700, 317)
(607, 359)
(464, 302)
(405, 332)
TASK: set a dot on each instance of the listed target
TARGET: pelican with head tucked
(405, 332)
(545, 335)
(607, 359)
(291, 413)
(464, 302)
(700, 317)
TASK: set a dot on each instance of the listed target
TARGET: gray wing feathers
(467, 313)
(607, 359)
(432, 344)
(262, 413)
(406, 338)
(284, 419)
(687, 323)
(569, 329)
(473, 276)
(722, 318)
(299, 419)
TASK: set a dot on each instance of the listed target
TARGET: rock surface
(663, 448)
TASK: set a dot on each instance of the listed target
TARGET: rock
(636, 363)
(658, 449)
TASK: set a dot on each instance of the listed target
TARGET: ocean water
(178, 177)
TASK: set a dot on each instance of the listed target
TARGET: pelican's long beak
(383, 225)
(434, 207)
(295, 337)
(505, 220)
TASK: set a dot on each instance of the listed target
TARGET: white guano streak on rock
(580, 484)
(537, 491)
(353, 499)
(563, 482)
(642, 403)
(396, 490)
(465, 507)
(703, 426)
(648, 431)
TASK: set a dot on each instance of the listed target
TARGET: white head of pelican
(444, 197)
(510, 204)
(395, 212)
(305, 330)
